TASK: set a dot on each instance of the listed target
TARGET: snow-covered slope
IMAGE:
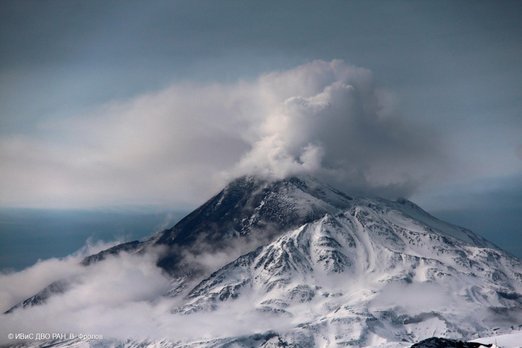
(331, 270)
(510, 340)
(372, 274)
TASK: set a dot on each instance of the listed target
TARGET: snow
(510, 340)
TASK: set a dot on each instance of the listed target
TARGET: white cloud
(17, 286)
(120, 297)
(179, 145)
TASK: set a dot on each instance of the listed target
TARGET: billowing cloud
(332, 121)
(179, 145)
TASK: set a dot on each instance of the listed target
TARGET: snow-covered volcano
(326, 269)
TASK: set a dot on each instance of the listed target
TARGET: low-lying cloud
(179, 145)
(119, 298)
(17, 286)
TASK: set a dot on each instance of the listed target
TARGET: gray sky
(133, 103)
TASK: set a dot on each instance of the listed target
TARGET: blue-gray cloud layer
(453, 66)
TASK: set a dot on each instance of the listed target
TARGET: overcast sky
(159, 103)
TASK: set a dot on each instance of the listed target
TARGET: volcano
(327, 268)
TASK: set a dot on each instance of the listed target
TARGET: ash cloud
(332, 121)
(179, 145)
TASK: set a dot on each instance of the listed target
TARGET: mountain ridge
(247, 204)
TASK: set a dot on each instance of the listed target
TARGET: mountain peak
(254, 209)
